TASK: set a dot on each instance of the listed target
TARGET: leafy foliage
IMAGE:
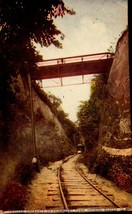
(54, 104)
(117, 169)
(89, 113)
(23, 21)
(67, 124)
(24, 173)
(22, 24)
(14, 197)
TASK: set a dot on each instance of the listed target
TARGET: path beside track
(44, 192)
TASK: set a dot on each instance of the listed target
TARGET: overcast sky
(96, 26)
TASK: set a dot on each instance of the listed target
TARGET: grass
(14, 194)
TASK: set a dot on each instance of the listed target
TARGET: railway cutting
(67, 185)
(78, 191)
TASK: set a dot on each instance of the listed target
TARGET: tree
(56, 101)
(89, 113)
(22, 24)
(67, 124)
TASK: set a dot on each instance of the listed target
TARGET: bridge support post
(61, 81)
(82, 71)
(82, 79)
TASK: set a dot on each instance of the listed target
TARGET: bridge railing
(75, 59)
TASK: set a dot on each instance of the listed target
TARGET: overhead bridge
(74, 66)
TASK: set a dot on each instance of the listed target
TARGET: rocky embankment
(112, 157)
(115, 129)
(16, 131)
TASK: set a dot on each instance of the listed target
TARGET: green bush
(14, 197)
(24, 173)
(90, 159)
(117, 169)
(118, 175)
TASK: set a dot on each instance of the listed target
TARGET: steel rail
(61, 190)
(67, 210)
(86, 179)
(61, 60)
(60, 185)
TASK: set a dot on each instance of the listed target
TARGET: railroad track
(77, 192)
(70, 191)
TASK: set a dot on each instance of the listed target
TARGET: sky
(96, 26)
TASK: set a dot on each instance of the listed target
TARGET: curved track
(71, 191)
(77, 191)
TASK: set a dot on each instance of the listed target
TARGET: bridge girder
(63, 68)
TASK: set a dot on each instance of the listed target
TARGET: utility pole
(32, 116)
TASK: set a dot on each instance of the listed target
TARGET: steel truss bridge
(74, 66)
(68, 67)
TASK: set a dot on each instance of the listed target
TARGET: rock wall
(115, 129)
(50, 136)
(16, 132)
(114, 153)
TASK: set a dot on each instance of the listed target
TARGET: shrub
(24, 173)
(124, 181)
(102, 166)
(90, 159)
(118, 176)
(14, 197)
(39, 115)
(115, 168)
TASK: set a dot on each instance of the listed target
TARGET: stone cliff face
(16, 131)
(51, 140)
(116, 125)
(111, 157)
(114, 153)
